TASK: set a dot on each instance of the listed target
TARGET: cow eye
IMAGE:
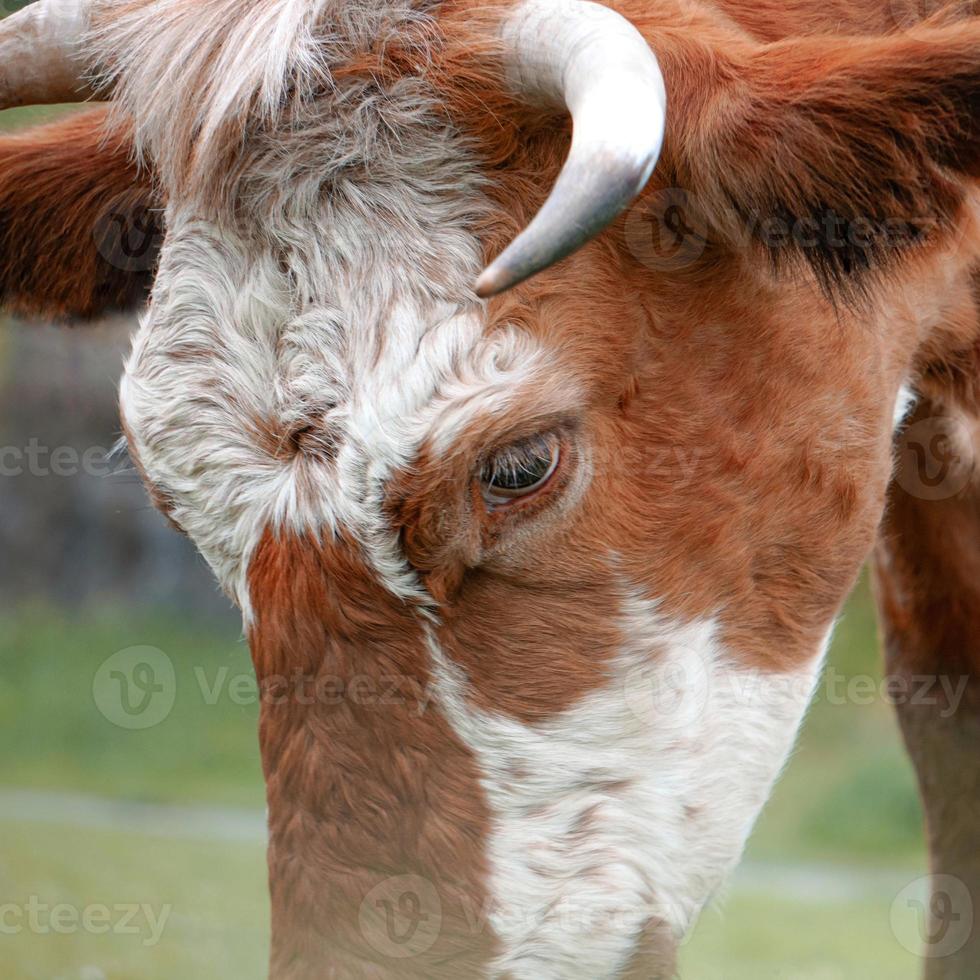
(519, 470)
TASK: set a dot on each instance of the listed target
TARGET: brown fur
(65, 189)
(928, 582)
(366, 782)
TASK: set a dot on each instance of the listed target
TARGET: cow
(536, 373)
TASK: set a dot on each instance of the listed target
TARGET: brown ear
(839, 152)
(79, 228)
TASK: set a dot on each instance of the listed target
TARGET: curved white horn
(39, 58)
(586, 58)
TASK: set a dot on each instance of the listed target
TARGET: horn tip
(492, 281)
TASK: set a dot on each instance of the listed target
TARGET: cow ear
(79, 221)
(842, 153)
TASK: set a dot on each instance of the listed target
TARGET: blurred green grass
(56, 738)
(207, 898)
(768, 938)
(35, 115)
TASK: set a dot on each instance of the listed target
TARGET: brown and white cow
(588, 516)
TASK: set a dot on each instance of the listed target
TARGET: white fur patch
(904, 403)
(634, 804)
(227, 365)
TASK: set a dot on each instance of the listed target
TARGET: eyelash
(519, 470)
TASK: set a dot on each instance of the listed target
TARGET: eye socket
(519, 470)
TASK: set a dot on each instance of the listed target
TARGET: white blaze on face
(634, 804)
(224, 373)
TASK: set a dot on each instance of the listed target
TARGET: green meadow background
(169, 818)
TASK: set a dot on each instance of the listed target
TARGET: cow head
(537, 564)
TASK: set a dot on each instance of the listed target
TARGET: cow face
(538, 585)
